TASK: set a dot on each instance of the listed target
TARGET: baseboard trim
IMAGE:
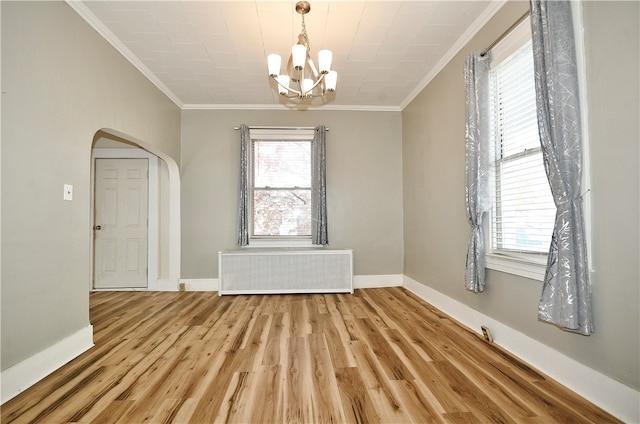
(614, 397)
(359, 282)
(25, 374)
(373, 281)
(200, 284)
(163, 285)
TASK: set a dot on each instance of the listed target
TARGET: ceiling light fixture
(303, 80)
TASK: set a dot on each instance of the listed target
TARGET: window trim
(529, 265)
(280, 134)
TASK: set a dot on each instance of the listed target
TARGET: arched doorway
(164, 205)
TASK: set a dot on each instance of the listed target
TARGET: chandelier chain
(304, 33)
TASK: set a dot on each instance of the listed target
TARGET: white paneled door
(120, 224)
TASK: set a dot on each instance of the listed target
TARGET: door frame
(153, 210)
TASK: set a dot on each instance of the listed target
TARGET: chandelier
(302, 79)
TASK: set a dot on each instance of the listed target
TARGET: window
(280, 185)
(523, 210)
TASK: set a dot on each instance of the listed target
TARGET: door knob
(97, 227)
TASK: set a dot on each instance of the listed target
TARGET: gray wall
(61, 83)
(435, 226)
(364, 184)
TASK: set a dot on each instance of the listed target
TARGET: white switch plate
(68, 192)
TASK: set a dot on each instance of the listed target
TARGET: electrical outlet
(68, 192)
(487, 334)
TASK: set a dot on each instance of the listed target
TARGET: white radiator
(285, 271)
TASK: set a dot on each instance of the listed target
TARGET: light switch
(68, 192)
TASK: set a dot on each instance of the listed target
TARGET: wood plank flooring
(378, 356)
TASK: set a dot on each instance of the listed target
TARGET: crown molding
(467, 36)
(79, 7)
(302, 107)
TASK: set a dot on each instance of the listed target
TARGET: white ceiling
(212, 54)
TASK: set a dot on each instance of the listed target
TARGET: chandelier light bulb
(283, 85)
(273, 63)
(324, 61)
(307, 85)
(299, 53)
(330, 80)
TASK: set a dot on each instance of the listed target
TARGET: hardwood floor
(380, 355)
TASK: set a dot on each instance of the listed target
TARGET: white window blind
(523, 210)
(280, 187)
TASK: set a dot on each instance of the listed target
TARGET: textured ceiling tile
(371, 34)
(376, 12)
(156, 41)
(199, 67)
(219, 45)
(345, 7)
(450, 13)
(240, 17)
(207, 23)
(127, 6)
(168, 58)
(167, 11)
(432, 34)
(225, 60)
(139, 21)
(421, 50)
(395, 44)
(180, 73)
(179, 32)
(404, 24)
(191, 51)
(363, 53)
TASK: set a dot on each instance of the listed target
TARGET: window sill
(285, 243)
(532, 267)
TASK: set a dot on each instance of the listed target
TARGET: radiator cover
(285, 271)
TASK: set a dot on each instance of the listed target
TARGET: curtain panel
(566, 292)
(319, 232)
(243, 200)
(477, 164)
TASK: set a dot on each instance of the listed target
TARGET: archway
(170, 243)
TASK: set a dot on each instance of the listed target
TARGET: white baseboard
(24, 374)
(373, 281)
(163, 285)
(200, 284)
(614, 397)
(359, 282)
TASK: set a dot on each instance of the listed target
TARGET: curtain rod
(504, 34)
(279, 128)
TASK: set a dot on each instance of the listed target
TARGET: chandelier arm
(312, 66)
(318, 81)
(303, 93)
(298, 93)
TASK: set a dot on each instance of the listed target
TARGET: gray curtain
(319, 233)
(243, 201)
(566, 293)
(477, 164)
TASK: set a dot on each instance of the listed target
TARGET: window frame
(532, 265)
(524, 264)
(279, 134)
